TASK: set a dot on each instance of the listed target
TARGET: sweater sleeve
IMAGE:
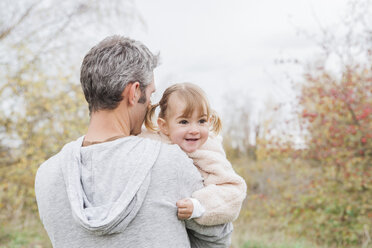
(224, 190)
(189, 180)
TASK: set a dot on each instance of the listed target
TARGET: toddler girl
(186, 119)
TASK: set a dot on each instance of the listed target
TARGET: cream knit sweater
(224, 190)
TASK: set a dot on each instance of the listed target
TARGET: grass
(29, 234)
(247, 234)
(255, 244)
(265, 233)
(261, 223)
(255, 228)
(264, 222)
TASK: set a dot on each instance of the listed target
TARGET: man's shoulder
(173, 153)
(154, 136)
(48, 179)
(174, 158)
(50, 169)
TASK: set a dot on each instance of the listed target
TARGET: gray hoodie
(121, 193)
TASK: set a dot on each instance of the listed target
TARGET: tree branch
(4, 33)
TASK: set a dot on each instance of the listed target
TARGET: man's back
(128, 192)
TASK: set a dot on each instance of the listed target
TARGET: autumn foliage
(44, 113)
(338, 118)
(319, 191)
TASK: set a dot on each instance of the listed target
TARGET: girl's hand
(185, 209)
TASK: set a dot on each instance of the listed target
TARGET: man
(110, 188)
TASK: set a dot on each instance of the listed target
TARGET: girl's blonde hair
(194, 98)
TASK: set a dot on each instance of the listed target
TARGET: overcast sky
(228, 47)
(231, 45)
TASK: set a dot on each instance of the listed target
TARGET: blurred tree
(337, 103)
(45, 118)
(327, 181)
(238, 126)
(55, 32)
(253, 130)
(42, 106)
(336, 108)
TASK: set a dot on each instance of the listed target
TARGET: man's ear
(132, 92)
(162, 124)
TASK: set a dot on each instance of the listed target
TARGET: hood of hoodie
(107, 183)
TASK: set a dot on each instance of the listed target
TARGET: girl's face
(190, 133)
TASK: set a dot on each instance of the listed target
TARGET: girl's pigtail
(149, 124)
(215, 123)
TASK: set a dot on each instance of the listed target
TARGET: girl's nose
(194, 129)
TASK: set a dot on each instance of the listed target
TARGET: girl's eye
(202, 121)
(183, 122)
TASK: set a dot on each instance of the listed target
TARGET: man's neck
(105, 124)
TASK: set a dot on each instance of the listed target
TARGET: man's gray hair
(110, 66)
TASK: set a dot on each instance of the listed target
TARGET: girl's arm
(224, 190)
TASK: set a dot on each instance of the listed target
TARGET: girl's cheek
(178, 133)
